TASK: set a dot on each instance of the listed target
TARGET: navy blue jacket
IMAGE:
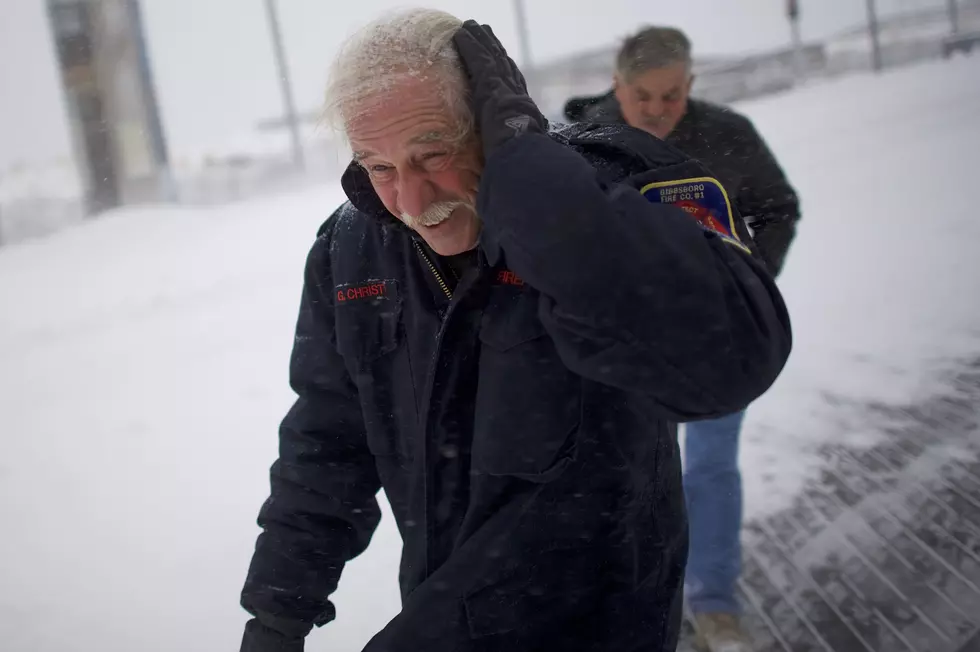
(521, 418)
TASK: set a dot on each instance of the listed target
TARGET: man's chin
(455, 235)
(658, 131)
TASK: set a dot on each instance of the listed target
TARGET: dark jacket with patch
(733, 150)
(520, 419)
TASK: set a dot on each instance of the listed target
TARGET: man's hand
(498, 93)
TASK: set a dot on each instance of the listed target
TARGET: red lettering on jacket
(366, 291)
(507, 277)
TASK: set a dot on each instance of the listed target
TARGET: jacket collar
(360, 192)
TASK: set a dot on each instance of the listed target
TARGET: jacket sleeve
(767, 201)
(634, 294)
(322, 510)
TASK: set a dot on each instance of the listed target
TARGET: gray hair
(398, 47)
(650, 48)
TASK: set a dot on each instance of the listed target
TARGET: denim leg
(713, 492)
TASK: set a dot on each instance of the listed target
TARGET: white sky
(214, 71)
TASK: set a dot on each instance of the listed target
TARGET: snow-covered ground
(144, 364)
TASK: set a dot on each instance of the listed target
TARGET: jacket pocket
(370, 338)
(367, 332)
(528, 404)
(548, 589)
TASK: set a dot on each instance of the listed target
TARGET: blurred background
(163, 174)
(214, 88)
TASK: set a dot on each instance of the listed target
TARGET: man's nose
(653, 108)
(415, 193)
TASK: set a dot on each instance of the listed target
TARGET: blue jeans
(713, 491)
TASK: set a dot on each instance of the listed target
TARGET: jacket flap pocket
(368, 331)
(528, 404)
(510, 319)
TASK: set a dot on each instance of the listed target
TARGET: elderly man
(652, 82)
(499, 329)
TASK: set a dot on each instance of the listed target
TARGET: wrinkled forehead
(410, 112)
(394, 92)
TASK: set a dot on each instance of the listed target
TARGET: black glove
(498, 92)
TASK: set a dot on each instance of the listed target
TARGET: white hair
(414, 44)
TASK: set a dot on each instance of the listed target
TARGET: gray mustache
(435, 214)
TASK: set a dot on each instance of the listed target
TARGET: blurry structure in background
(721, 79)
(285, 86)
(958, 40)
(793, 15)
(874, 35)
(524, 41)
(112, 110)
(954, 16)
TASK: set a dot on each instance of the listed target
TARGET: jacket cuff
(259, 638)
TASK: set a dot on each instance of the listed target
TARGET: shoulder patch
(704, 199)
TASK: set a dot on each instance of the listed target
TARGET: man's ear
(618, 87)
(690, 83)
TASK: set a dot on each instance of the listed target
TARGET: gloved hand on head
(501, 105)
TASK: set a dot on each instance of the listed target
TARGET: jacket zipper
(427, 397)
(429, 480)
(435, 272)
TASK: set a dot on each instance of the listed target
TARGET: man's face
(406, 141)
(655, 100)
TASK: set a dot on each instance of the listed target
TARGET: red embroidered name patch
(384, 289)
